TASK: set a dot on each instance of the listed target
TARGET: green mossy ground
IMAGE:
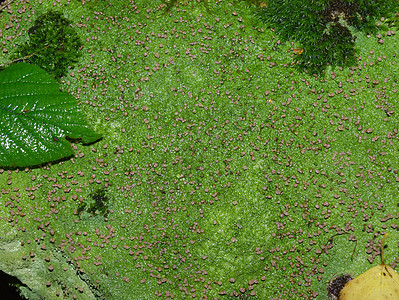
(224, 162)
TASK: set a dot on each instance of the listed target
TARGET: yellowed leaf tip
(378, 283)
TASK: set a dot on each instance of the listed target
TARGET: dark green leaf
(36, 118)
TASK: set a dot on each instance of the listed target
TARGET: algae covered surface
(224, 171)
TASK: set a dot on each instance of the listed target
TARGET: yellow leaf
(298, 51)
(378, 283)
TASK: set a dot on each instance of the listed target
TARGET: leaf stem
(382, 248)
(5, 5)
(23, 58)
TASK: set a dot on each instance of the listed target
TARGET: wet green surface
(223, 166)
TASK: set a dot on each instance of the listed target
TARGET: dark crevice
(9, 286)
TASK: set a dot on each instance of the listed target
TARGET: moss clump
(54, 44)
(96, 205)
(323, 28)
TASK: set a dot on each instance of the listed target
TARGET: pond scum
(225, 169)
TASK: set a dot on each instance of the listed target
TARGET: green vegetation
(37, 120)
(171, 3)
(325, 29)
(97, 203)
(54, 44)
(223, 172)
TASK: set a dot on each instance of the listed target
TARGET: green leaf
(36, 118)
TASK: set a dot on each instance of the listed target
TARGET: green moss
(97, 204)
(326, 30)
(229, 164)
(171, 3)
(53, 44)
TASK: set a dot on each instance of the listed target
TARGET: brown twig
(5, 5)
(382, 248)
(331, 239)
(23, 58)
